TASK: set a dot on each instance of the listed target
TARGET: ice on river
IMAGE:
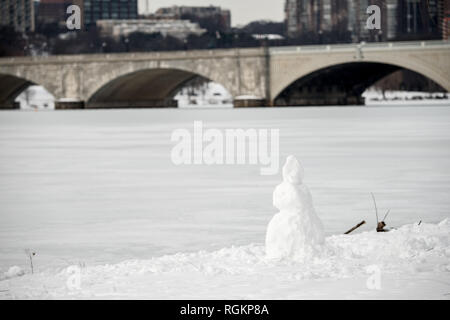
(97, 188)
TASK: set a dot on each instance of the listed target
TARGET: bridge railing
(399, 45)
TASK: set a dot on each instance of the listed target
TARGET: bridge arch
(372, 66)
(12, 86)
(146, 83)
(155, 87)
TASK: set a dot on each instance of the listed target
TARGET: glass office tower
(109, 9)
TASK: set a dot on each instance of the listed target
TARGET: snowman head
(293, 171)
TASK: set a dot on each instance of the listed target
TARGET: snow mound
(342, 256)
(296, 231)
(412, 247)
(407, 248)
(410, 252)
(12, 272)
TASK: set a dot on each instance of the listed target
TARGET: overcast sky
(242, 11)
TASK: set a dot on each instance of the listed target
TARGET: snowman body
(295, 231)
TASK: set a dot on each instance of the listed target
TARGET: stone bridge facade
(307, 75)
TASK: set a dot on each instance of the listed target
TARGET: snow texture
(211, 95)
(296, 231)
(375, 97)
(14, 271)
(36, 97)
(97, 189)
(413, 261)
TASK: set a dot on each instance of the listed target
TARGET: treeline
(54, 39)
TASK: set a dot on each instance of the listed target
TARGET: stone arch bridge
(278, 76)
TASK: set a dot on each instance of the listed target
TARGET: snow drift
(414, 261)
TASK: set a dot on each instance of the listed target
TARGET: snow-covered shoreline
(214, 95)
(413, 263)
(410, 98)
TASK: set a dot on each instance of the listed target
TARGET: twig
(30, 256)
(375, 204)
(355, 227)
(387, 213)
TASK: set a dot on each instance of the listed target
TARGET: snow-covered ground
(211, 95)
(409, 263)
(408, 98)
(36, 97)
(97, 189)
(214, 95)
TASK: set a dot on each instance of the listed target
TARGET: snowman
(296, 231)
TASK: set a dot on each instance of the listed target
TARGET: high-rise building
(18, 14)
(92, 10)
(291, 10)
(312, 16)
(400, 19)
(325, 21)
(411, 20)
(420, 18)
(445, 13)
(391, 28)
(357, 19)
(113, 9)
(51, 11)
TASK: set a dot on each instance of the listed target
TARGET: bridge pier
(10, 105)
(69, 105)
(249, 102)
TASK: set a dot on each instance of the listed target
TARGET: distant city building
(292, 18)
(92, 10)
(269, 36)
(446, 20)
(18, 14)
(112, 9)
(300, 16)
(180, 29)
(400, 19)
(181, 12)
(316, 17)
(52, 11)
(422, 17)
(391, 24)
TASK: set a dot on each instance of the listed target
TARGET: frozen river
(100, 187)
